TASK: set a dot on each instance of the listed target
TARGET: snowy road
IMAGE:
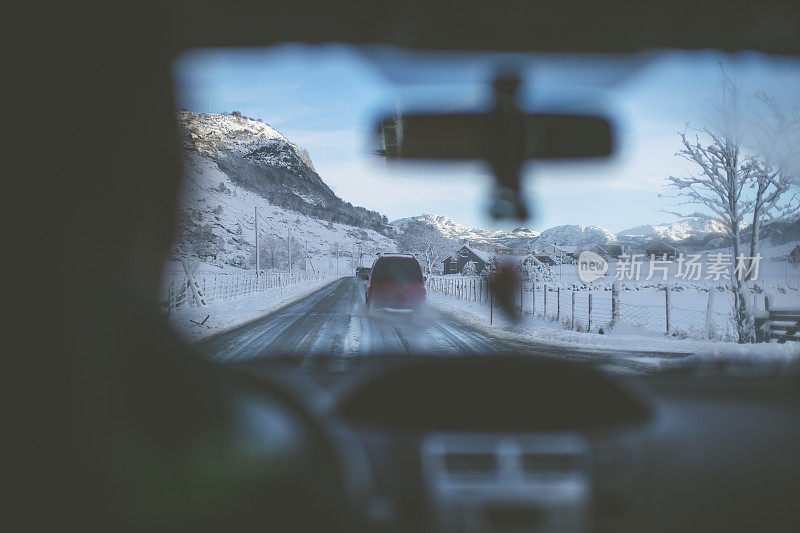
(333, 322)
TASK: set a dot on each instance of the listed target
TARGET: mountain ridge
(262, 160)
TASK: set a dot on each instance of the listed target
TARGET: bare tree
(427, 242)
(268, 248)
(306, 158)
(777, 169)
(721, 182)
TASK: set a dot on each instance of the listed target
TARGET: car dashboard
(501, 443)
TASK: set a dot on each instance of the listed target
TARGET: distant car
(362, 272)
(396, 281)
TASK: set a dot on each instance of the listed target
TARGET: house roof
(484, 256)
(565, 249)
(609, 247)
(661, 245)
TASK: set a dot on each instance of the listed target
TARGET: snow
(480, 253)
(222, 214)
(460, 233)
(675, 231)
(241, 135)
(623, 339)
(226, 315)
(208, 196)
(576, 235)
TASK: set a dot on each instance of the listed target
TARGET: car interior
(123, 425)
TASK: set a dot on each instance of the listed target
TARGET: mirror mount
(507, 138)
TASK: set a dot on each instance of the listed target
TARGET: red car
(396, 281)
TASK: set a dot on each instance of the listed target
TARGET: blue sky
(327, 98)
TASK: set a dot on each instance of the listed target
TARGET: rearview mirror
(505, 137)
(472, 136)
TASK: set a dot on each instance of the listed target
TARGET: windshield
(396, 270)
(682, 246)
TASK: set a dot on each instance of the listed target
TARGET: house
(554, 254)
(456, 262)
(794, 256)
(529, 260)
(661, 250)
(612, 251)
(545, 259)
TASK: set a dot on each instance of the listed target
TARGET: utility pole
(209, 104)
(258, 259)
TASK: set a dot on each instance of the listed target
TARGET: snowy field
(623, 338)
(700, 306)
(774, 271)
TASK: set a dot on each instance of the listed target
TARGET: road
(333, 321)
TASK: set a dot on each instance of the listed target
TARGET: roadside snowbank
(226, 315)
(623, 339)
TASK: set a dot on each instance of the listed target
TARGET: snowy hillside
(674, 231)
(493, 240)
(216, 209)
(576, 235)
(259, 159)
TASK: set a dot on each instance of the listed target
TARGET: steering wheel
(304, 476)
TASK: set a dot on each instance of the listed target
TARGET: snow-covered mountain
(233, 165)
(515, 241)
(576, 235)
(674, 231)
(258, 158)
(693, 233)
(490, 240)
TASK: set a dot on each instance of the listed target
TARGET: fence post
(614, 303)
(709, 312)
(667, 306)
(589, 328)
(558, 304)
(533, 299)
(545, 300)
(572, 312)
(491, 303)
